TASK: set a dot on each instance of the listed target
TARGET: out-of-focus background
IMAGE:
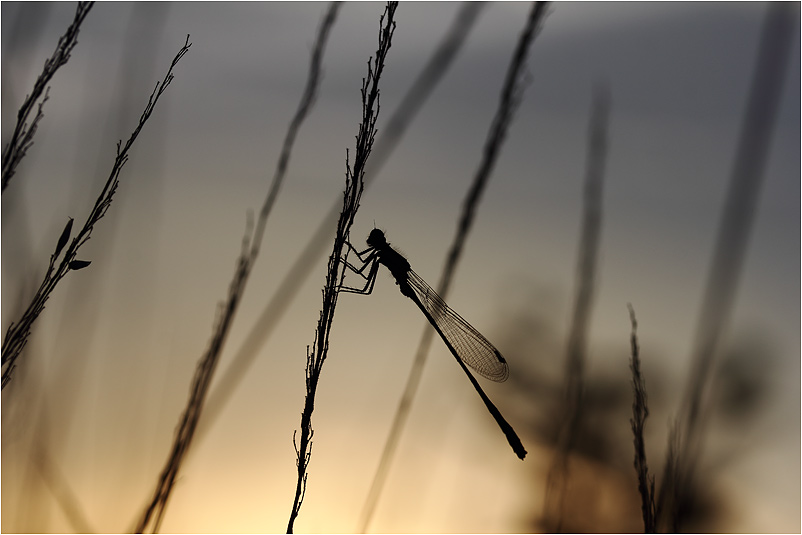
(89, 417)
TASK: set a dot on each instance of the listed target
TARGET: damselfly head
(376, 238)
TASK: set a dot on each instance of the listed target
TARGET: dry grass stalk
(640, 411)
(732, 242)
(22, 138)
(354, 185)
(512, 90)
(557, 479)
(250, 250)
(17, 334)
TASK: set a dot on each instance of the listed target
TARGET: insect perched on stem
(466, 343)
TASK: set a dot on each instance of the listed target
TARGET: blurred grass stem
(511, 93)
(571, 412)
(732, 241)
(154, 512)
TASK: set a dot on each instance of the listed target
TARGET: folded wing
(471, 347)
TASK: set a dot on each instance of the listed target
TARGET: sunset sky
(106, 375)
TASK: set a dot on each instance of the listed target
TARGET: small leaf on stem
(75, 265)
(62, 241)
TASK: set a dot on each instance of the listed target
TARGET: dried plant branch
(22, 138)
(511, 93)
(250, 251)
(732, 242)
(586, 274)
(354, 185)
(17, 334)
(640, 411)
(315, 248)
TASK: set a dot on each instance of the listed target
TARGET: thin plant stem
(742, 197)
(732, 241)
(307, 100)
(640, 411)
(22, 137)
(571, 411)
(154, 512)
(511, 94)
(18, 332)
(354, 186)
(137, 65)
(735, 226)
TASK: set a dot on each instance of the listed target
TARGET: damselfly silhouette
(466, 343)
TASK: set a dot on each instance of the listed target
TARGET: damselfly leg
(369, 262)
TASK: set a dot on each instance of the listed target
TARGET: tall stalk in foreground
(354, 185)
(17, 334)
(154, 512)
(508, 103)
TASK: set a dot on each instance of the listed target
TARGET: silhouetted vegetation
(17, 334)
(354, 185)
(566, 412)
